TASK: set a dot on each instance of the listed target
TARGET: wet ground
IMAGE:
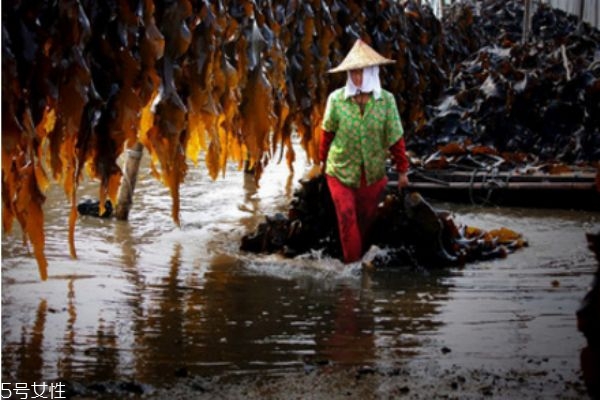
(153, 310)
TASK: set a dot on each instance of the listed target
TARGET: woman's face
(357, 77)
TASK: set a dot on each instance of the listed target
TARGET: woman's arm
(398, 151)
(326, 139)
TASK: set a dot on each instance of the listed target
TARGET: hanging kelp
(84, 80)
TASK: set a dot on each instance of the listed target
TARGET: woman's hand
(402, 180)
(315, 171)
(322, 166)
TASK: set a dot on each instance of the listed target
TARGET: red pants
(356, 210)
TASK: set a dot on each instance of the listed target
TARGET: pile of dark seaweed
(408, 230)
(541, 97)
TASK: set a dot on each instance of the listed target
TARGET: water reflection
(351, 339)
(123, 235)
(29, 356)
(234, 322)
(65, 365)
(102, 357)
(160, 335)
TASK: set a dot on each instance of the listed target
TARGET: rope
(594, 65)
(471, 184)
(429, 178)
(490, 184)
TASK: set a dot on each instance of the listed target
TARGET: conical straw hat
(361, 56)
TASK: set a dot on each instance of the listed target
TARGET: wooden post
(526, 21)
(125, 195)
(581, 16)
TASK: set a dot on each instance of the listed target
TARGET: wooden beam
(505, 186)
(125, 195)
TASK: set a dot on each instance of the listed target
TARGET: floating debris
(92, 208)
(310, 224)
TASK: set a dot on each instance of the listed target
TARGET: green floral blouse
(360, 140)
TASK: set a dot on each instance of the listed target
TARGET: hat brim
(358, 65)
(361, 56)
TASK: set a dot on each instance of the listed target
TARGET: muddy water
(149, 301)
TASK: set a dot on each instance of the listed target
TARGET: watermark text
(41, 390)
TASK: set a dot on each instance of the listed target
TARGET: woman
(360, 125)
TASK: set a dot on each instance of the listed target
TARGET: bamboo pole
(526, 21)
(125, 195)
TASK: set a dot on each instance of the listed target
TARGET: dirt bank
(426, 381)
